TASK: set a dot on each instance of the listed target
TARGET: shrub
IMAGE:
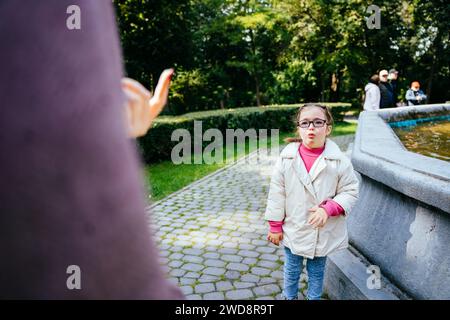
(157, 145)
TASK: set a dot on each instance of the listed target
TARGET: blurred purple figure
(70, 187)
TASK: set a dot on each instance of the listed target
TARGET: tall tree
(234, 53)
(155, 34)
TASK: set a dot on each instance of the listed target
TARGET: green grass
(343, 128)
(165, 177)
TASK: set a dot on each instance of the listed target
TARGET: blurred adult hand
(141, 107)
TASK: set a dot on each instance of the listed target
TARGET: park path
(212, 234)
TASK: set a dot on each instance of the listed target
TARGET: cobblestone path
(212, 234)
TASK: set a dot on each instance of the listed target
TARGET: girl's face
(313, 137)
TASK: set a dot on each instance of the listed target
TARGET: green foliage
(155, 34)
(157, 144)
(230, 54)
(188, 89)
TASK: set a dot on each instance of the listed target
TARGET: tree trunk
(322, 88)
(437, 45)
(258, 100)
(334, 87)
(255, 72)
(430, 81)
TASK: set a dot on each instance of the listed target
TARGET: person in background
(387, 95)
(393, 80)
(414, 95)
(372, 94)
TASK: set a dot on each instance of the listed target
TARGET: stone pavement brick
(231, 258)
(194, 275)
(214, 242)
(242, 285)
(267, 280)
(250, 278)
(194, 259)
(237, 266)
(248, 253)
(224, 285)
(187, 290)
(227, 251)
(230, 245)
(265, 249)
(208, 278)
(187, 281)
(239, 294)
(211, 255)
(259, 242)
(175, 263)
(265, 298)
(214, 263)
(267, 289)
(193, 251)
(214, 296)
(270, 257)
(250, 261)
(232, 275)
(278, 274)
(192, 267)
(182, 243)
(177, 272)
(268, 264)
(260, 271)
(246, 246)
(204, 288)
(214, 271)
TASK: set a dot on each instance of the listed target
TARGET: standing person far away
(372, 94)
(387, 98)
(414, 95)
(393, 81)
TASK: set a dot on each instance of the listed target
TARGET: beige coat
(293, 191)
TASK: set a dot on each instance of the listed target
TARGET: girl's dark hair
(375, 79)
(326, 112)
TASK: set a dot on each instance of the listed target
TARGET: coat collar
(331, 152)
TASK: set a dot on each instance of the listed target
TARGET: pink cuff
(276, 226)
(332, 208)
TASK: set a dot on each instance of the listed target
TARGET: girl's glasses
(317, 123)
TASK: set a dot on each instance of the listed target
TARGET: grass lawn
(166, 177)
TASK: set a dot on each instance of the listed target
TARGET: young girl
(312, 188)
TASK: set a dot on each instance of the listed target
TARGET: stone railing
(401, 221)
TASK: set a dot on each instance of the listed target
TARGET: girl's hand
(318, 217)
(141, 107)
(275, 238)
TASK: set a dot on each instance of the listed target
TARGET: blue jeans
(293, 265)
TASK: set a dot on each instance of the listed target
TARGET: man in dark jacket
(386, 91)
(393, 80)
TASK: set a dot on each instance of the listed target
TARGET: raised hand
(141, 107)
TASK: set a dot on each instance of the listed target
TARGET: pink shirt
(331, 207)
